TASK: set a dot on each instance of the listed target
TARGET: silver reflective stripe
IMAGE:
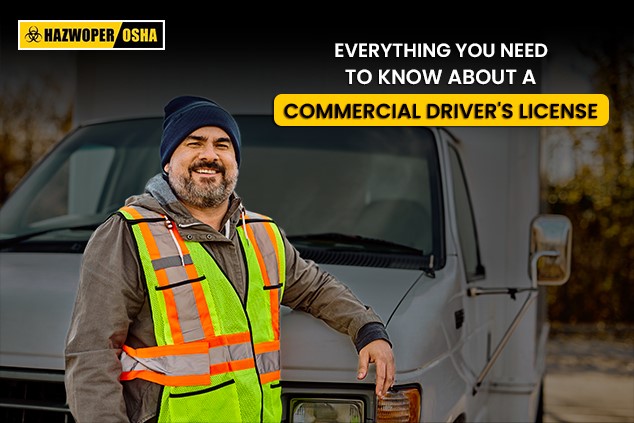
(227, 353)
(268, 362)
(170, 365)
(270, 260)
(188, 317)
(173, 261)
(164, 240)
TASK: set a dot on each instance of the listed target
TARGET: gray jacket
(112, 308)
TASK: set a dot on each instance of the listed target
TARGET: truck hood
(36, 303)
(311, 350)
(37, 292)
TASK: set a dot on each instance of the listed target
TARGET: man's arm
(107, 298)
(309, 288)
(315, 291)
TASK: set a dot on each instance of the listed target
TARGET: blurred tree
(598, 197)
(32, 119)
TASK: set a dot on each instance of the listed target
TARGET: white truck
(438, 230)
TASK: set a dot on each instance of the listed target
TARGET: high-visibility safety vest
(217, 358)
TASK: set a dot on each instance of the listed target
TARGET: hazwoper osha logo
(91, 35)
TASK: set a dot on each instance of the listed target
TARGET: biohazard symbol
(33, 35)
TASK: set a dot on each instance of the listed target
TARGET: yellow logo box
(91, 35)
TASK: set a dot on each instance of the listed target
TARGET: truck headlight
(399, 405)
(309, 410)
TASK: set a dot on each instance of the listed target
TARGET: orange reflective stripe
(149, 241)
(162, 379)
(161, 278)
(160, 351)
(197, 289)
(168, 295)
(232, 366)
(275, 314)
(170, 306)
(269, 231)
(203, 310)
(230, 339)
(258, 254)
(135, 214)
(199, 347)
(264, 347)
(270, 377)
(274, 294)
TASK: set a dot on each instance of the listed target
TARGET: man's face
(203, 171)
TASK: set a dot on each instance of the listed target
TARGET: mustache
(206, 165)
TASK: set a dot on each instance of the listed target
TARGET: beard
(207, 193)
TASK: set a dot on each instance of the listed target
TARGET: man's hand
(378, 352)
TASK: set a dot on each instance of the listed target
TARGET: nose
(209, 153)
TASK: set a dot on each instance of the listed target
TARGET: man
(177, 313)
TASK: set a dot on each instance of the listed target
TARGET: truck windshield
(81, 181)
(327, 187)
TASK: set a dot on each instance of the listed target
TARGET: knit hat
(185, 114)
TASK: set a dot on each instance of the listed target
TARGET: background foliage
(29, 126)
(598, 197)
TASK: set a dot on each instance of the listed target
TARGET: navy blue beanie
(185, 114)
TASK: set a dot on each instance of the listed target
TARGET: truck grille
(26, 401)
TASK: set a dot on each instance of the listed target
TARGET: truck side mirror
(550, 249)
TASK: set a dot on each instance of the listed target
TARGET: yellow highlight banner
(441, 109)
(91, 35)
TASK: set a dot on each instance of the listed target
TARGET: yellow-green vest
(217, 358)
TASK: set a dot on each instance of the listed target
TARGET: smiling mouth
(207, 171)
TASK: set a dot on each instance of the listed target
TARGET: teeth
(207, 171)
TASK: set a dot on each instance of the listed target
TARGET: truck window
(84, 179)
(341, 189)
(465, 219)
